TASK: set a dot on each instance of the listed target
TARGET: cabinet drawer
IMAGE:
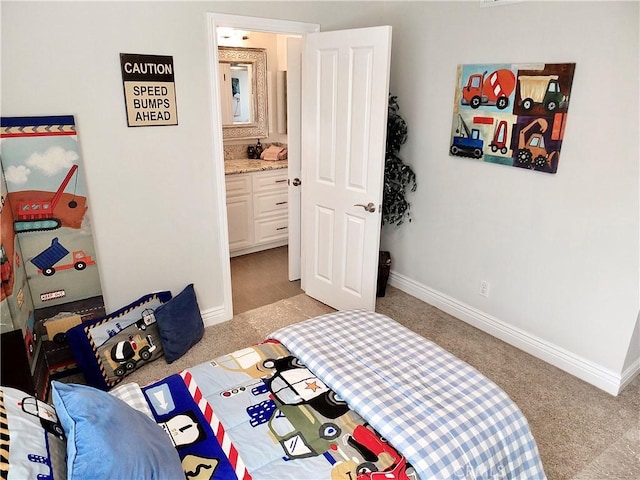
(265, 204)
(271, 230)
(264, 181)
(238, 185)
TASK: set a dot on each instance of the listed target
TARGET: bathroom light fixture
(230, 37)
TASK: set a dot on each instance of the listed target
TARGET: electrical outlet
(484, 288)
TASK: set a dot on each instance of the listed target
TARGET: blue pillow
(109, 348)
(180, 324)
(108, 439)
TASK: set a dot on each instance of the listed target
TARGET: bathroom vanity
(257, 205)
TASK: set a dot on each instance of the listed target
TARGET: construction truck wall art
(47, 203)
(512, 114)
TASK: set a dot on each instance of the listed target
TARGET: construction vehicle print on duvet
(37, 215)
(47, 260)
(352, 450)
(251, 360)
(305, 418)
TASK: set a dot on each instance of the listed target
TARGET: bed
(348, 395)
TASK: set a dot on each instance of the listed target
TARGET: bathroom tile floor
(261, 278)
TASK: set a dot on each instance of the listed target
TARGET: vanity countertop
(246, 165)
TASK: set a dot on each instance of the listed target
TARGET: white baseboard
(214, 316)
(576, 365)
(629, 374)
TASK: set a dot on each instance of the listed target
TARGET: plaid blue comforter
(446, 418)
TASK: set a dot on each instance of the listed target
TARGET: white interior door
(344, 112)
(294, 121)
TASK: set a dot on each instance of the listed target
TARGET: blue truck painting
(49, 258)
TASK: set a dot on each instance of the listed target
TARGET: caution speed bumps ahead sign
(149, 89)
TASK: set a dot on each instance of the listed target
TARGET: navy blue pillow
(180, 324)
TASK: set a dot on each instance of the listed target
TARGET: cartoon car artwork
(251, 360)
(385, 453)
(260, 412)
(183, 429)
(148, 318)
(300, 433)
(125, 355)
(46, 414)
(295, 384)
(41, 461)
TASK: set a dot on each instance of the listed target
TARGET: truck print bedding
(351, 395)
(285, 423)
(330, 399)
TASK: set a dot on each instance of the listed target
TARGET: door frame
(255, 24)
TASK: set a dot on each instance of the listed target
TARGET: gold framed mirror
(243, 92)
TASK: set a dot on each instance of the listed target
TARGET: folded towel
(274, 153)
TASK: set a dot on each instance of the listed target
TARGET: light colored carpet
(582, 432)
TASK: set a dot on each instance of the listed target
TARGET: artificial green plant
(399, 178)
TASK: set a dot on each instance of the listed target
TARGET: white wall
(560, 251)
(151, 189)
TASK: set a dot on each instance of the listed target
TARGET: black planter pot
(384, 267)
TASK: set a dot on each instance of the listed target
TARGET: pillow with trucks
(109, 348)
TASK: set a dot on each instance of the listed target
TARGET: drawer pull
(282, 228)
(281, 181)
(281, 203)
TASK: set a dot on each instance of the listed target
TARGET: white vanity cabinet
(239, 211)
(257, 211)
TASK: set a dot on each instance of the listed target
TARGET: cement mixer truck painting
(490, 90)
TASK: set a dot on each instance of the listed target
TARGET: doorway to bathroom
(258, 276)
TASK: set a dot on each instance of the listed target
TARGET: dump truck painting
(541, 90)
(491, 90)
(48, 258)
(52, 255)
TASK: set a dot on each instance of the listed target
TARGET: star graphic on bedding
(312, 386)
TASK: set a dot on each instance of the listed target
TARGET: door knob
(369, 207)
(296, 182)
